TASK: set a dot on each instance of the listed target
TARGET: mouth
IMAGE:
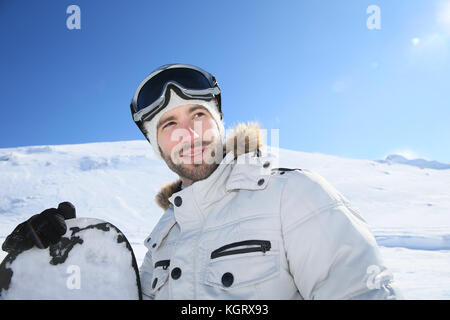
(193, 152)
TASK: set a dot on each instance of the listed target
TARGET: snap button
(227, 279)
(176, 273)
(260, 182)
(178, 201)
(154, 283)
(266, 165)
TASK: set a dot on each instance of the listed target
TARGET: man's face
(190, 142)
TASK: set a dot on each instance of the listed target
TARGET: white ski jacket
(249, 231)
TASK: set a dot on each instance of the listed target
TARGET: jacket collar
(242, 146)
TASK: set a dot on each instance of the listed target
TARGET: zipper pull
(265, 246)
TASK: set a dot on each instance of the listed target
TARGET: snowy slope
(406, 203)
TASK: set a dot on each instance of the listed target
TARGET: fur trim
(245, 138)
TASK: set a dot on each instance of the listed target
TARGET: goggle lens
(153, 88)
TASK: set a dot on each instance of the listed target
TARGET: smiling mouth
(193, 152)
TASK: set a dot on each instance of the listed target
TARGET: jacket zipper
(259, 246)
(162, 263)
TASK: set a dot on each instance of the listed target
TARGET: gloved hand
(40, 230)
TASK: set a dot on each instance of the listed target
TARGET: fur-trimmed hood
(245, 138)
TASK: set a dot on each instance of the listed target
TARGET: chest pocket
(160, 243)
(160, 275)
(243, 263)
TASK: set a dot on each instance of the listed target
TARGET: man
(233, 226)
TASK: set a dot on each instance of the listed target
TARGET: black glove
(40, 230)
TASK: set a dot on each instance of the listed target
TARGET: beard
(198, 170)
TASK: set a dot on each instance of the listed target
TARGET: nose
(191, 131)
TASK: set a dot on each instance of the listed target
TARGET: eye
(168, 124)
(199, 114)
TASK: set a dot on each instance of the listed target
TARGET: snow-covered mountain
(420, 163)
(406, 202)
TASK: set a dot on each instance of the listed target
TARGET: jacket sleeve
(331, 251)
(146, 274)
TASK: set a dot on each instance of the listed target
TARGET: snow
(405, 202)
(421, 163)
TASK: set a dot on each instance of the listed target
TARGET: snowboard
(93, 260)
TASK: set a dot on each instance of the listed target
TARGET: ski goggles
(152, 95)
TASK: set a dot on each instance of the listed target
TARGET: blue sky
(311, 69)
